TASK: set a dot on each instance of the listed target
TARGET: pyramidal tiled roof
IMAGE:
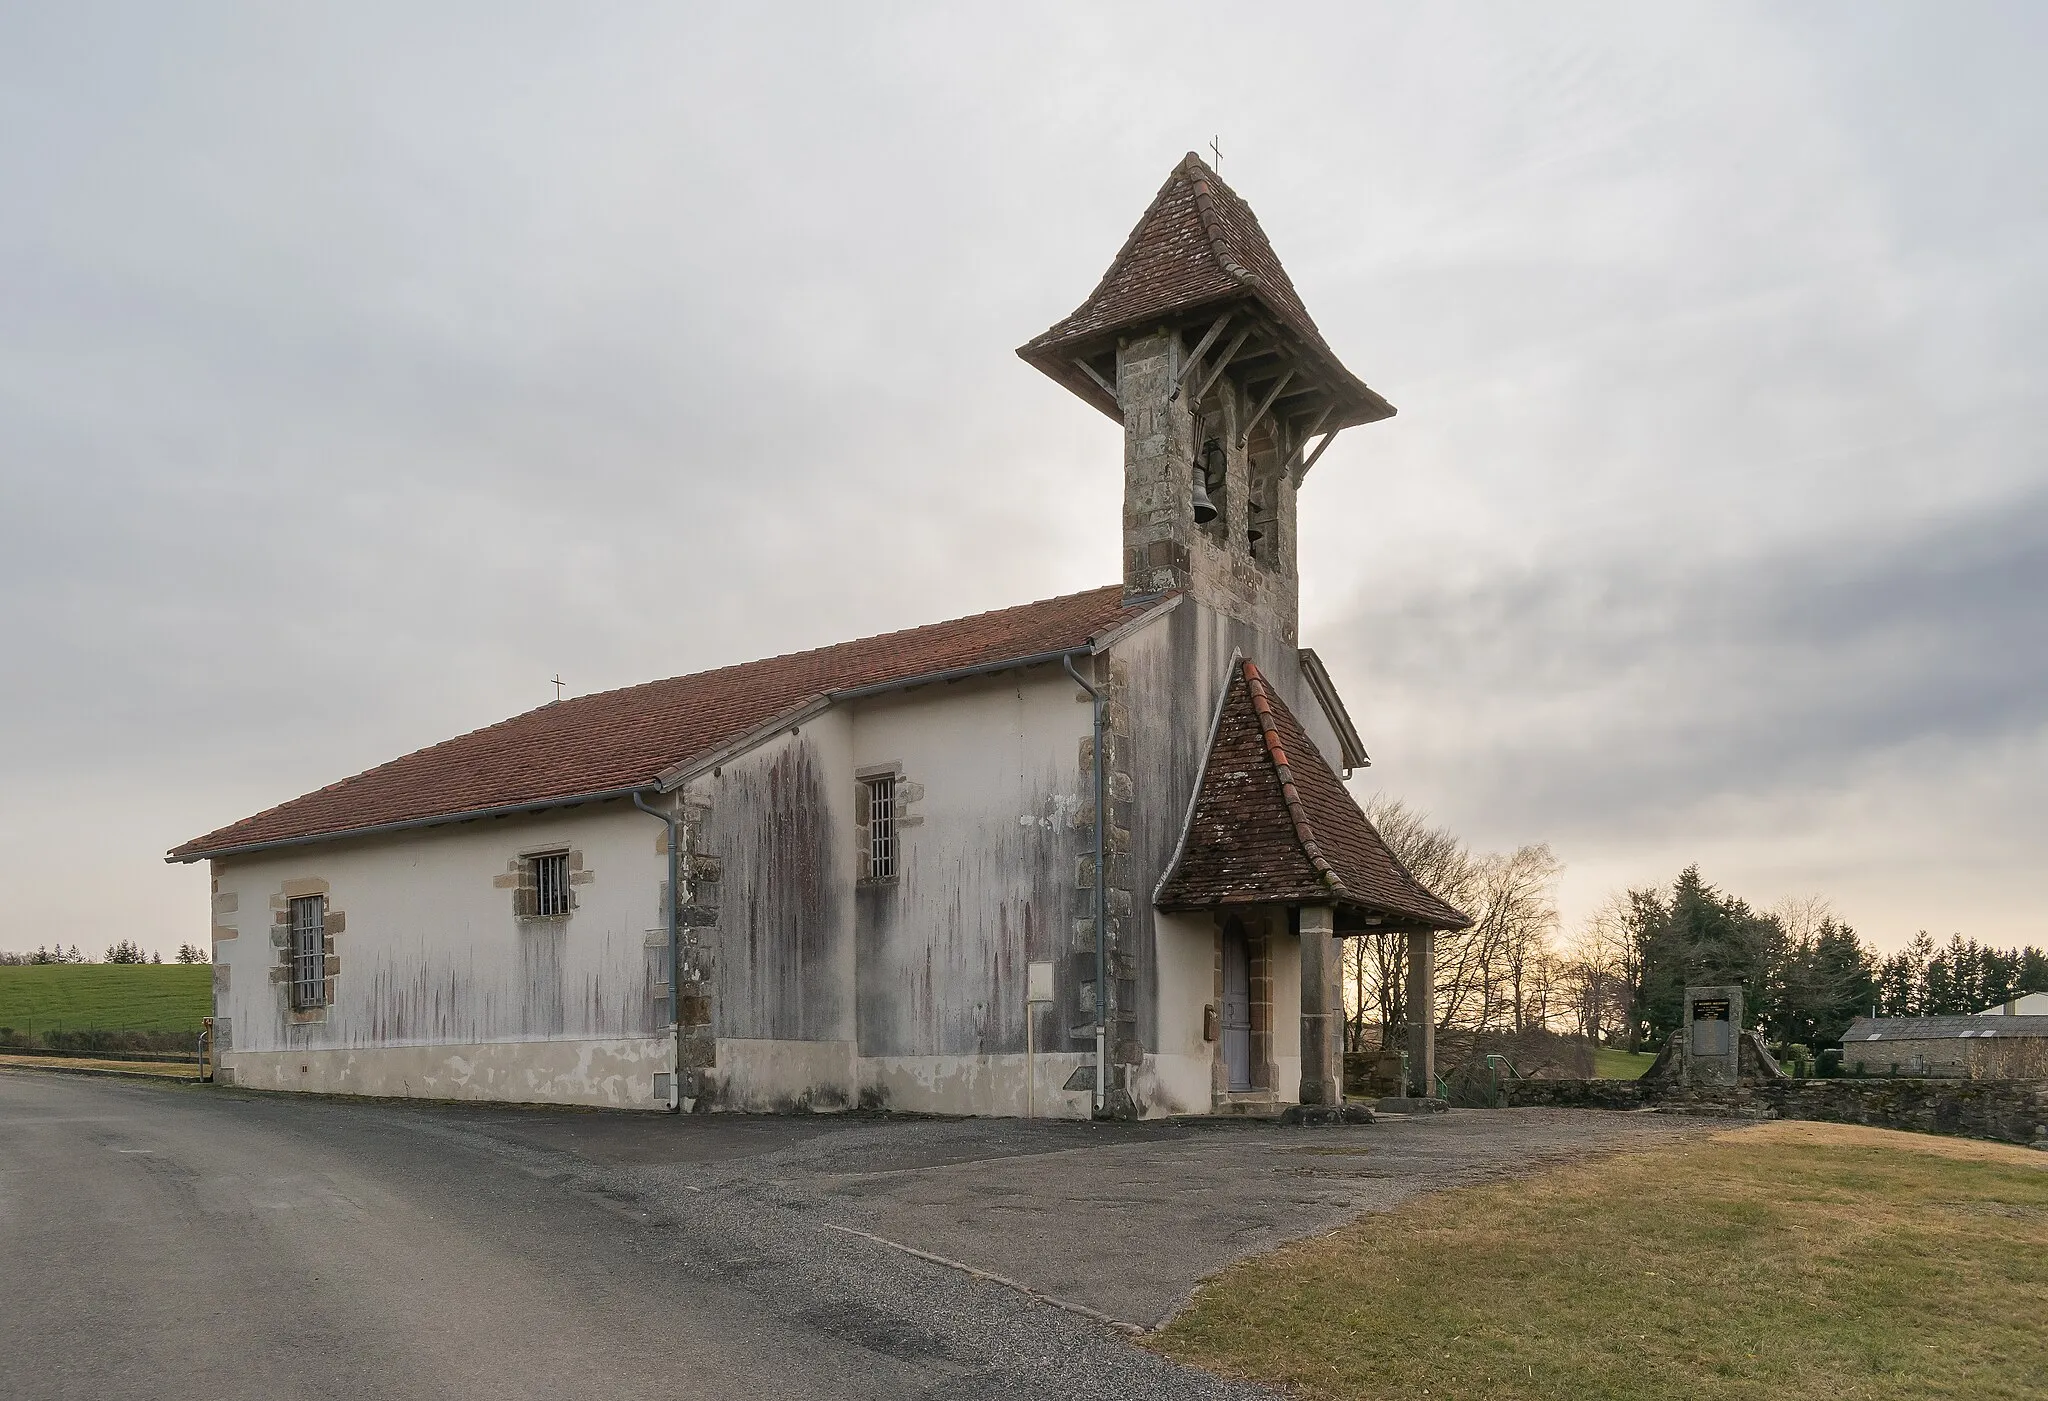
(1197, 245)
(1272, 824)
(615, 741)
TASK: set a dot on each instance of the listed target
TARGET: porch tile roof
(614, 741)
(1271, 824)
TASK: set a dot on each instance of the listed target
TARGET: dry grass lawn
(1784, 1261)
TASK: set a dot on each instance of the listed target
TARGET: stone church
(1092, 855)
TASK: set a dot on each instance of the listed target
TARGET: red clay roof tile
(1272, 824)
(622, 739)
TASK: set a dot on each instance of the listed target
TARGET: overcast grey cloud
(362, 368)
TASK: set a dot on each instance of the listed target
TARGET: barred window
(881, 827)
(550, 884)
(309, 951)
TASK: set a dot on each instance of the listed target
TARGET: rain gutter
(675, 945)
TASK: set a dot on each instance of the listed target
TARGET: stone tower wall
(1164, 549)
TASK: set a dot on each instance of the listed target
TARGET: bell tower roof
(1196, 256)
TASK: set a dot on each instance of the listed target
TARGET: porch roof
(1271, 823)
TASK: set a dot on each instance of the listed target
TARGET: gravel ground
(514, 1253)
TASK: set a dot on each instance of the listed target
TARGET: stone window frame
(333, 922)
(521, 876)
(905, 794)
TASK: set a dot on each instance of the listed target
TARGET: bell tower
(1197, 343)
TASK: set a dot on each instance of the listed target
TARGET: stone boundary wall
(1578, 1094)
(2006, 1111)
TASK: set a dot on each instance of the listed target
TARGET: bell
(1255, 528)
(1205, 509)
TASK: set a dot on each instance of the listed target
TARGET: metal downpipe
(1101, 900)
(675, 901)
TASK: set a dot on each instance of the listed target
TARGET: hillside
(105, 997)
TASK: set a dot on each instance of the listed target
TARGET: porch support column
(1322, 1009)
(1422, 1013)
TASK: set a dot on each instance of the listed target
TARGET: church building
(1092, 855)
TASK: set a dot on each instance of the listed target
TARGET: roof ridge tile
(1303, 828)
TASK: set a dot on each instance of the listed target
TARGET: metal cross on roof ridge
(1216, 150)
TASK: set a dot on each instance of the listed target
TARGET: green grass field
(1790, 1260)
(1621, 1065)
(105, 996)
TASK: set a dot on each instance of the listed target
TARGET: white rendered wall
(776, 823)
(1182, 1063)
(1286, 955)
(987, 877)
(441, 990)
(932, 965)
(1179, 667)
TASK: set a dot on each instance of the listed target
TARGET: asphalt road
(174, 1241)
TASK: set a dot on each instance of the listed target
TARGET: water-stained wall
(832, 987)
(987, 881)
(432, 953)
(777, 822)
(911, 991)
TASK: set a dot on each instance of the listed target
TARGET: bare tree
(1522, 905)
(1503, 971)
(1803, 917)
(1378, 963)
(1485, 974)
(1603, 968)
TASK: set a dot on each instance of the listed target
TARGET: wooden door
(1237, 1007)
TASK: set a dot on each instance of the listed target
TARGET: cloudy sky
(361, 368)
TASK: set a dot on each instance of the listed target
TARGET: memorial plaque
(1710, 1029)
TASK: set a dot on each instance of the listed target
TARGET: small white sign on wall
(1039, 984)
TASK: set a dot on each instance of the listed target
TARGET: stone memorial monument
(1712, 1035)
